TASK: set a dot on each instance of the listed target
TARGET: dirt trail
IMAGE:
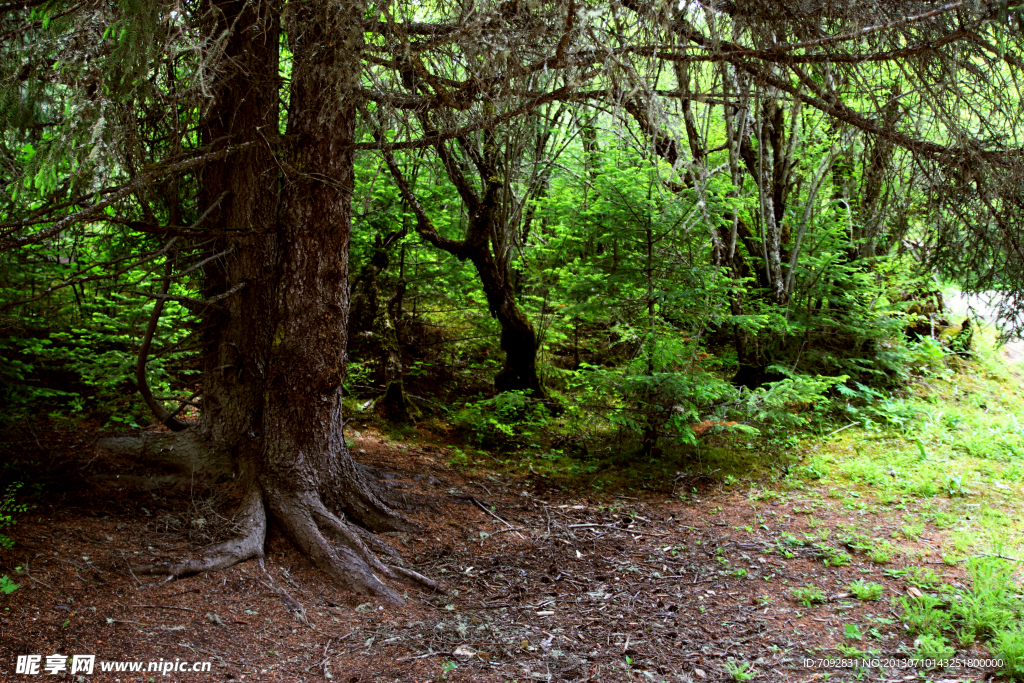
(546, 585)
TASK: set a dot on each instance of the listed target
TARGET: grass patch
(866, 590)
(808, 595)
(1008, 645)
(925, 615)
(933, 648)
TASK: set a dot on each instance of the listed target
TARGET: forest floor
(698, 578)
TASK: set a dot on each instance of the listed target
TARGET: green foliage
(921, 577)
(446, 669)
(75, 350)
(645, 279)
(808, 595)
(993, 600)
(787, 403)
(866, 590)
(875, 409)
(933, 648)
(7, 586)
(9, 508)
(925, 614)
(833, 557)
(990, 609)
(740, 671)
(1008, 645)
(506, 420)
(655, 395)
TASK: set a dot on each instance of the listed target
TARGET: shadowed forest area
(535, 340)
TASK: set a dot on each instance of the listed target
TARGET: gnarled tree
(175, 136)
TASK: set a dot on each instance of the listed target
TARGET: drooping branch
(424, 226)
(490, 122)
(159, 411)
(10, 240)
(776, 53)
(833, 106)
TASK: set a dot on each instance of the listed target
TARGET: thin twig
(183, 609)
(484, 508)
(841, 429)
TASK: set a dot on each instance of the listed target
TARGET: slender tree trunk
(769, 143)
(878, 160)
(650, 435)
(382, 314)
(518, 336)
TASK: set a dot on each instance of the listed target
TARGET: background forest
(598, 242)
(675, 242)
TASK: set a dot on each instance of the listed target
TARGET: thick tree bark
(275, 399)
(237, 196)
(240, 196)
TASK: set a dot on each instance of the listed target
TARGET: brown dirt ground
(645, 587)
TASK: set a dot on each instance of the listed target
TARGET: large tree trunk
(276, 397)
(238, 201)
(240, 195)
(307, 474)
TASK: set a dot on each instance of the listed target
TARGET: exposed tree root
(363, 498)
(184, 451)
(353, 536)
(347, 552)
(223, 555)
(415, 578)
(379, 482)
(349, 563)
(376, 545)
(391, 493)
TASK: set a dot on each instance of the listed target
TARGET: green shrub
(8, 508)
(1008, 646)
(922, 577)
(89, 352)
(808, 595)
(924, 615)
(742, 671)
(934, 648)
(7, 586)
(990, 604)
(785, 404)
(654, 397)
(832, 557)
(866, 590)
(880, 552)
(505, 420)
